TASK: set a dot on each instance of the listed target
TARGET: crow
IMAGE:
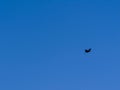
(87, 50)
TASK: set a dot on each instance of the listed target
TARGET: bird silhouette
(88, 50)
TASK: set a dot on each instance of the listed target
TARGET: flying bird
(88, 50)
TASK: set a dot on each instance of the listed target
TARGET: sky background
(42, 44)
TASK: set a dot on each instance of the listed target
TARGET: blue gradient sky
(42, 44)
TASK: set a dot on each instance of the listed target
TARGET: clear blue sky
(42, 44)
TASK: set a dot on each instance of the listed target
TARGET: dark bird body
(88, 50)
